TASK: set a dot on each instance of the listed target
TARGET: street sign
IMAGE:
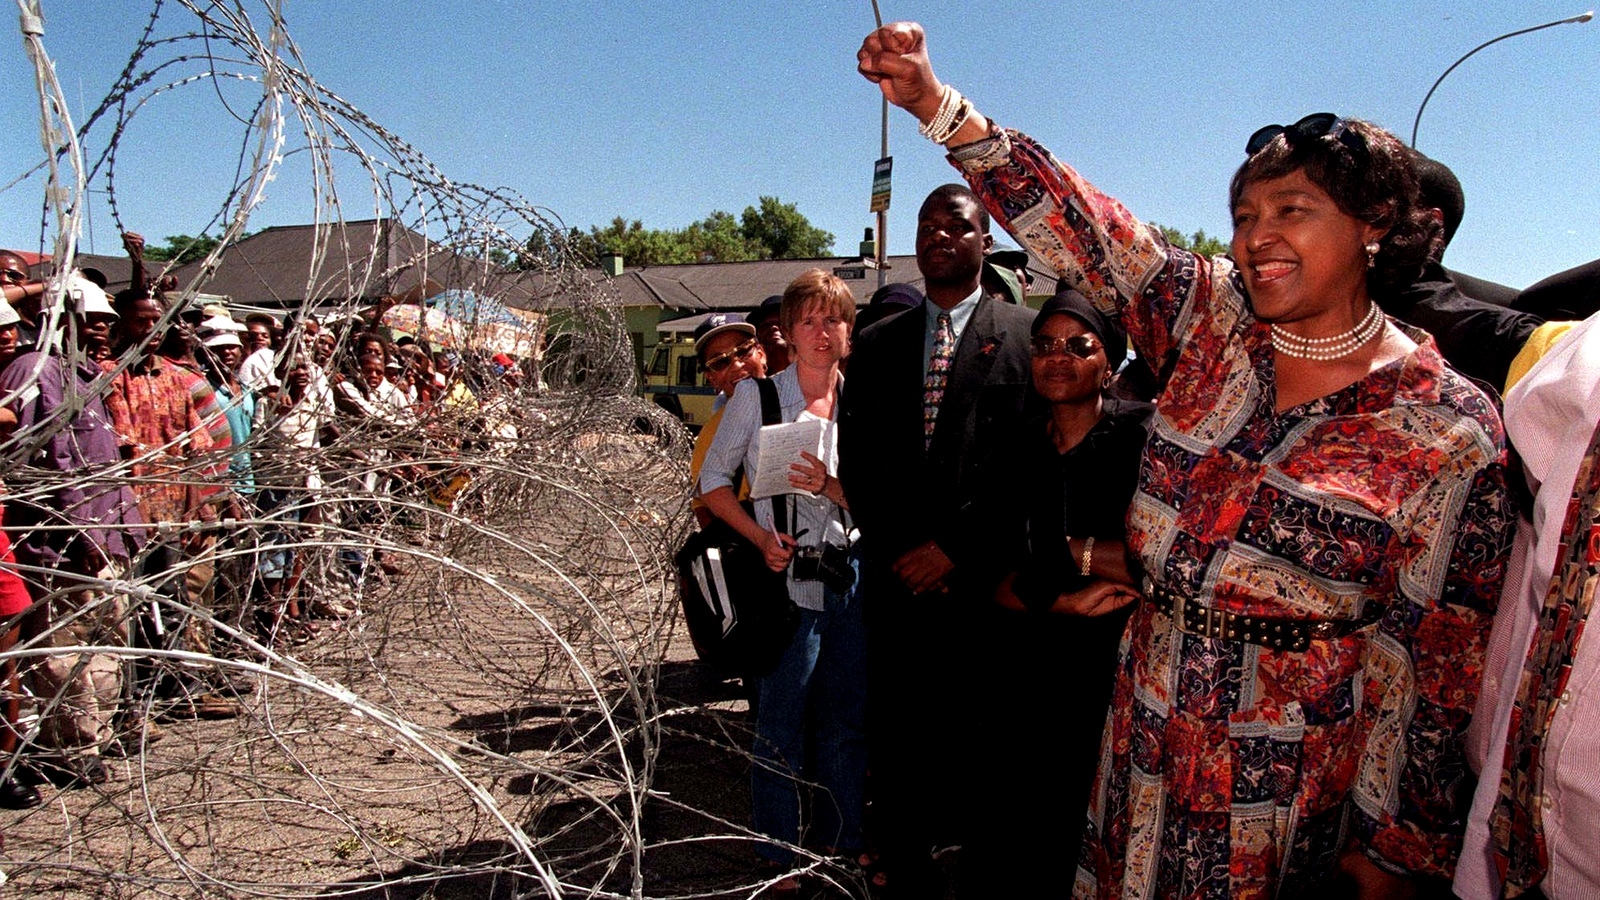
(880, 184)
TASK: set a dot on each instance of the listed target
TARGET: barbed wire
(468, 704)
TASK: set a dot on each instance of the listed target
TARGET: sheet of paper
(777, 448)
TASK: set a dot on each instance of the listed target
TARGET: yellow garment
(1538, 344)
(702, 446)
(460, 396)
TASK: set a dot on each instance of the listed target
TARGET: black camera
(828, 564)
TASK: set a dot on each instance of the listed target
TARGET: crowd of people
(1215, 577)
(232, 468)
(1255, 575)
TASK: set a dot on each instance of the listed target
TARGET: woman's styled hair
(1377, 186)
(817, 288)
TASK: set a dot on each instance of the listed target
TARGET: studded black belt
(1294, 635)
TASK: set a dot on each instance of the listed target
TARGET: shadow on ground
(693, 824)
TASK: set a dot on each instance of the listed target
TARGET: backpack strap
(772, 414)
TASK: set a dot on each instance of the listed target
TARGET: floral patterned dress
(1228, 769)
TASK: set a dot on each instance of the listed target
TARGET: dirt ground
(517, 709)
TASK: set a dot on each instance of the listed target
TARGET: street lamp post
(1571, 20)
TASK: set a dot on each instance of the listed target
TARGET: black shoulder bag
(739, 612)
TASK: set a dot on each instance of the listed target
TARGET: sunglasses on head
(723, 360)
(1316, 125)
(1083, 346)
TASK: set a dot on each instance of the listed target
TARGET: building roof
(287, 266)
(117, 269)
(706, 287)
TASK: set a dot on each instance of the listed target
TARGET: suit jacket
(1571, 295)
(1477, 339)
(900, 495)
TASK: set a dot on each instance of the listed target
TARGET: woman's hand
(777, 548)
(810, 476)
(895, 58)
(1097, 599)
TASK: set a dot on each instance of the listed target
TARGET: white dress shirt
(1550, 416)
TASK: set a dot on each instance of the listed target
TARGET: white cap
(83, 296)
(221, 323)
(223, 339)
(8, 316)
(338, 318)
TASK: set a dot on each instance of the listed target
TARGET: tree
(642, 246)
(572, 248)
(782, 232)
(1199, 242)
(182, 248)
(719, 237)
(772, 230)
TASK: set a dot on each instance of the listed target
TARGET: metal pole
(883, 214)
(883, 153)
(1572, 20)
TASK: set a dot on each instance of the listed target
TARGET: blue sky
(665, 112)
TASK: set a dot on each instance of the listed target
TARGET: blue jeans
(821, 682)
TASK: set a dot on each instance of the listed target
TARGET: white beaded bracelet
(948, 103)
(963, 112)
(1088, 557)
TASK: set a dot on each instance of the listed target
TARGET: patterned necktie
(1516, 824)
(944, 348)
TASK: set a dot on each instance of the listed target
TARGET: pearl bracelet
(949, 101)
(963, 112)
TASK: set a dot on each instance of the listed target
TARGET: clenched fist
(895, 58)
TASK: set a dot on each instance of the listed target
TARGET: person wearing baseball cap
(729, 352)
(727, 346)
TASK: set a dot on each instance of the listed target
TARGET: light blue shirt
(735, 443)
(240, 412)
(960, 314)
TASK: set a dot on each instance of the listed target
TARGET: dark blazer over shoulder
(900, 495)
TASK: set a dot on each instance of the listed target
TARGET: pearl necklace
(1326, 349)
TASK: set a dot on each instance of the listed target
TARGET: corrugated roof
(355, 261)
(724, 286)
(117, 269)
(361, 261)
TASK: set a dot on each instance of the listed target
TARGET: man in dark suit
(929, 392)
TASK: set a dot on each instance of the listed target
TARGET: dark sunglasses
(723, 360)
(1083, 346)
(16, 275)
(1316, 125)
